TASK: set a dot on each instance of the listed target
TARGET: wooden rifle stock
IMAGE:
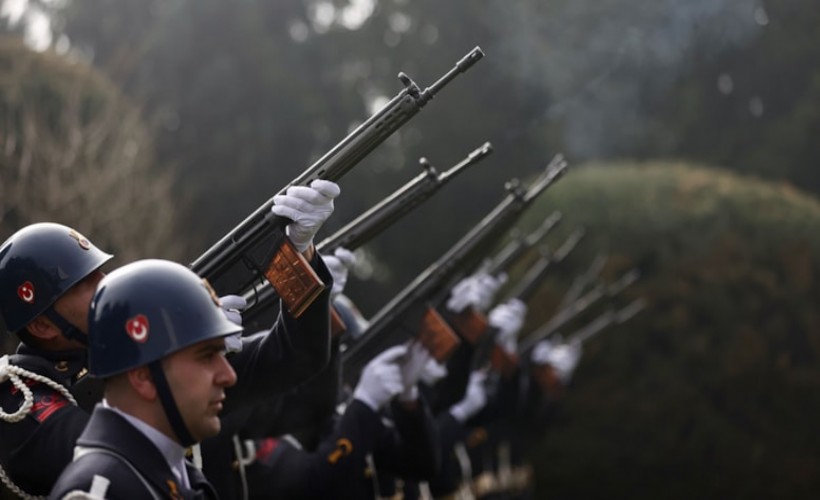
(244, 255)
(400, 318)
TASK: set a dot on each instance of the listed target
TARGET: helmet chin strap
(69, 331)
(169, 405)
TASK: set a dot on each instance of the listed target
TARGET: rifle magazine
(502, 362)
(547, 379)
(436, 335)
(470, 325)
(294, 279)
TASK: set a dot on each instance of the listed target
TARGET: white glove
(508, 318)
(541, 352)
(381, 379)
(564, 358)
(474, 399)
(433, 372)
(411, 370)
(308, 208)
(339, 265)
(232, 306)
(476, 290)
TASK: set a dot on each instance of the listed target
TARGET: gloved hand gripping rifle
(257, 246)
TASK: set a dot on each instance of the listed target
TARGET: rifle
(519, 245)
(412, 312)
(580, 305)
(583, 280)
(533, 277)
(611, 316)
(471, 323)
(546, 377)
(255, 247)
(499, 359)
(402, 201)
(364, 228)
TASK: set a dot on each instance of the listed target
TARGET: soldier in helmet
(157, 340)
(48, 274)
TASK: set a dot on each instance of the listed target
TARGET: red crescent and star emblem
(26, 292)
(137, 328)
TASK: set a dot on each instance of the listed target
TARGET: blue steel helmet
(38, 264)
(147, 310)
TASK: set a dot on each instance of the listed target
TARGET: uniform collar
(108, 429)
(172, 451)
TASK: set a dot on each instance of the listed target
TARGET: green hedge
(714, 390)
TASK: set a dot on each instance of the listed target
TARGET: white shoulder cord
(14, 373)
(242, 461)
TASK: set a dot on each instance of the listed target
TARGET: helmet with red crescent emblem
(147, 310)
(38, 264)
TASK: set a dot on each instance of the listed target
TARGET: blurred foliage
(714, 390)
(74, 151)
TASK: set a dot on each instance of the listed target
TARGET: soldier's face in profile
(198, 376)
(74, 304)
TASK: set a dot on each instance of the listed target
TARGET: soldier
(385, 431)
(48, 273)
(465, 425)
(156, 339)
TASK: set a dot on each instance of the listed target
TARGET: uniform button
(62, 366)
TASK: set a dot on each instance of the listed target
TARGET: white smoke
(593, 57)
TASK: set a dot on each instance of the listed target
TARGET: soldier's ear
(42, 328)
(141, 382)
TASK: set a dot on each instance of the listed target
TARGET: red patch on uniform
(46, 404)
(137, 328)
(26, 292)
(265, 448)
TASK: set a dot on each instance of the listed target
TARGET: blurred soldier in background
(381, 432)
